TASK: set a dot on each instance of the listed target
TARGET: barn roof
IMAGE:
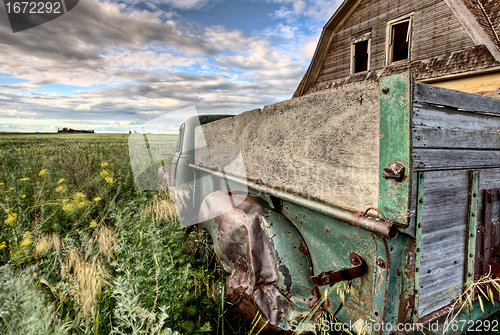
(480, 18)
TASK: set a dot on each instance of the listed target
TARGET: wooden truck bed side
(456, 155)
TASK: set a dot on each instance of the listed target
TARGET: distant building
(70, 130)
(448, 43)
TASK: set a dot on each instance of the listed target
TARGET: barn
(448, 43)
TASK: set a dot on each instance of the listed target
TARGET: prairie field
(83, 250)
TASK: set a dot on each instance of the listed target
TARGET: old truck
(389, 189)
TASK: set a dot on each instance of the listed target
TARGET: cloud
(134, 65)
(316, 9)
(178, 4)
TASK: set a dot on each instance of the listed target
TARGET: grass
(83, 250)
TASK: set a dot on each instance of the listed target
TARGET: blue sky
(114, 65)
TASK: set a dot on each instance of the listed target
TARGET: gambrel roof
(479, 18)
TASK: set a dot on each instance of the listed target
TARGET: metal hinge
(331, 277)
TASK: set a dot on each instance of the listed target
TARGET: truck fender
(264, 256)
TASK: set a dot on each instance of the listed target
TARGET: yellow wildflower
(104, 164)
(8, 210)
(93, 224)
(23, 196)
(42, 172)
(1, 184)
(67, 207)
(2, 245)
(11, 188)
(109, 180)
(42, 245)
(11, 218)
(27, 239)
(60, 181)
(23, 179)
(97, 199)
(79, 196)
(104, 173)
(62, 188)
(26, 242)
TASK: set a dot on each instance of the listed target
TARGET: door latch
(358, 269)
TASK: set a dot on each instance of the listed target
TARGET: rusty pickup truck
(375, 202)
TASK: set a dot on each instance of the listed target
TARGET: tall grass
(100, 255)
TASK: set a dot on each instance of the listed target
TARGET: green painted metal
(330, 243)
(386, 293)
(395, 147)
(400, 299)
(418, 238)
(368, 223)
(472, 225)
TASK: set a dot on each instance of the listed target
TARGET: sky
(113, 66)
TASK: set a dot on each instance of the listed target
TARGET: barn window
(399, 40)
(360, 53)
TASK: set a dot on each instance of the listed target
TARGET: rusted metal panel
(418, 236)
(259, 251)
(491, 196)
(330, 243)
(471, 225)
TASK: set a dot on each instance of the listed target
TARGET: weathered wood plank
(442, 259)
(437, 138)
(424, 93)
(443, 239)
(445, 201)
(440, 239)
(323, 146)
(432, 298)
(454, 158)
(441, 117)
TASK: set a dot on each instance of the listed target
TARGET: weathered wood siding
(447, 144)
(435, 31)
(323, 146)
